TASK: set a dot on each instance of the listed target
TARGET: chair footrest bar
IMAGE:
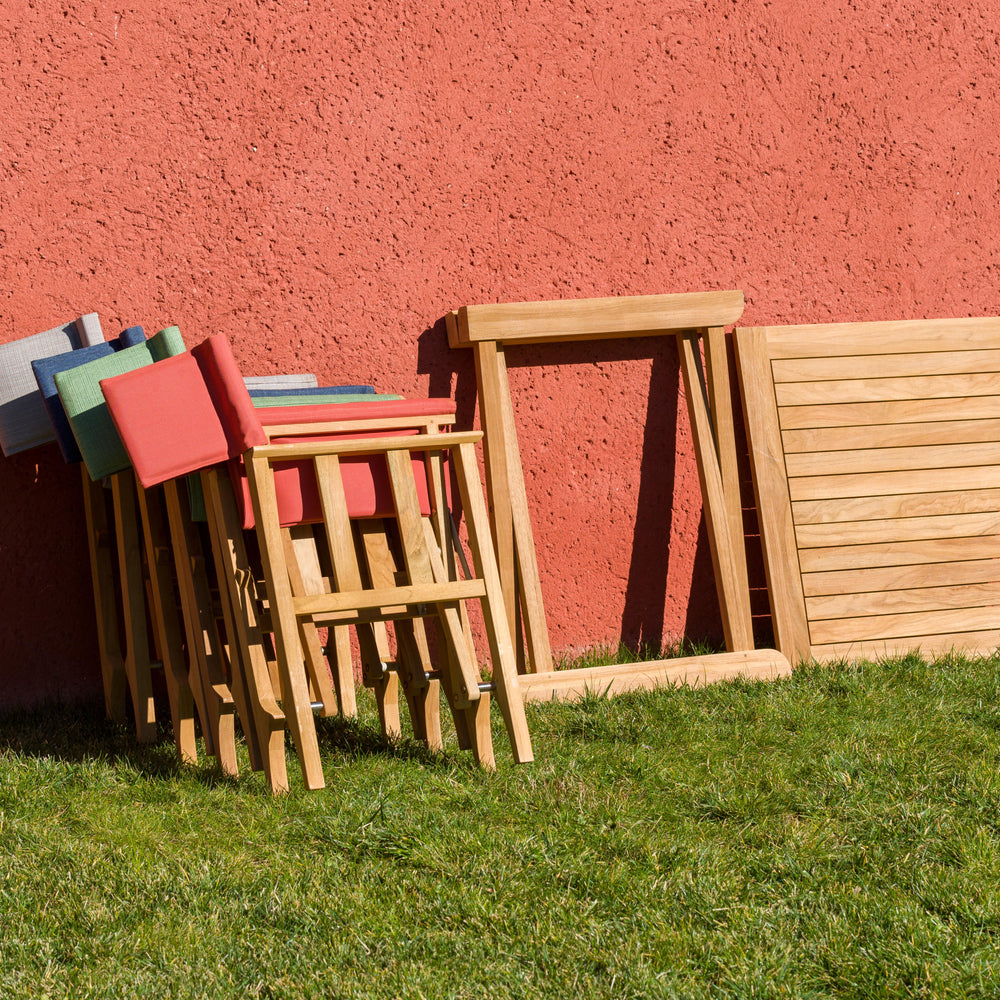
(428, 593)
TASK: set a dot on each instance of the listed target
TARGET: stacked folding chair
(147, 554)
(349, 468)
(24, 422)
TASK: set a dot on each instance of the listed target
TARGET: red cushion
(366, 478)
(229, 393)
(166, 419)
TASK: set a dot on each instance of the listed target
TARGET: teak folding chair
(24, 422)
(334, 473)
(692, 319)
(99, 519)
(875, 454)
(143, 547)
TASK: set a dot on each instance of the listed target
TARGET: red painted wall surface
(323, 181)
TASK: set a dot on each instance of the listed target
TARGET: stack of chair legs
(134, 573)
(327, 468)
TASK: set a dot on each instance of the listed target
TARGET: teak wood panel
(876, 460)
(694, 319)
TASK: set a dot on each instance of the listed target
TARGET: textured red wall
(323, 185)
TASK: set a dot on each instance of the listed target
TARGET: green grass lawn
(835, 834)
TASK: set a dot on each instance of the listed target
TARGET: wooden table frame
(690, 318)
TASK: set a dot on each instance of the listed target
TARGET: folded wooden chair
(333, 480)
(24, 422)
(99, 519)
(143, 548)
(875, 460)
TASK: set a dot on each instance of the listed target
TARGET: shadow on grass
(355, 739)
(80, 732)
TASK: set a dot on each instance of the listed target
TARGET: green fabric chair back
(80, 391)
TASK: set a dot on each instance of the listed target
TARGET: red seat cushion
(366, 479)
(167, 419)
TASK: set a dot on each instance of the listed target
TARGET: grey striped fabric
(302, 381)
(24, 422)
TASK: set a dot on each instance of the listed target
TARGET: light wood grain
(588, 319)
(907, 553)
(883, 337)
(728, 554)
(771, 490)
(692, 671)
(296, 703)
(874, 389)
(827, 439)
(169, 630)
(895, 626)
(138, 657)
(904, 505)
(900, 578)
(883, 483)
(985, 642)
(889, 412)
(951, 362)
(943, 526)
(919, 599)
(866, 460)
(100, 535)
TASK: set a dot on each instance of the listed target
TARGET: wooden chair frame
(429, 587)
(692, 319)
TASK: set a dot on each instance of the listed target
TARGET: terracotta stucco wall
(323, 181)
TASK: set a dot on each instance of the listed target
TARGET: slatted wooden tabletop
(876, 459)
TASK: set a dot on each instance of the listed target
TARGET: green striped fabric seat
(80, 391)
(292, 399)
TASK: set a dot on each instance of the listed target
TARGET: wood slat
(587, 319)
(921, 599)
(892, 337)
(946, 456)
(909, 553)
(899, 529)
(693, 671)
(889, 412)
(364, 446)
(901, 625)
(890, 435)
(771, 490)
(902, 578)
(935, 363)
(905, 505)
(875, 389)
(883, 483)
(928, 645)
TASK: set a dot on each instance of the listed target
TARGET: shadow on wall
(48, 650)
(645, 598)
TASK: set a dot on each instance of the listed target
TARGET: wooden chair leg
(505, 677)
(138, 663)
(373, 640)
(240, 602)
(296, 704)
(205, 647)
(412, 654)
(165, 619)
(343, 670)
(102, 575)
(307, 578)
